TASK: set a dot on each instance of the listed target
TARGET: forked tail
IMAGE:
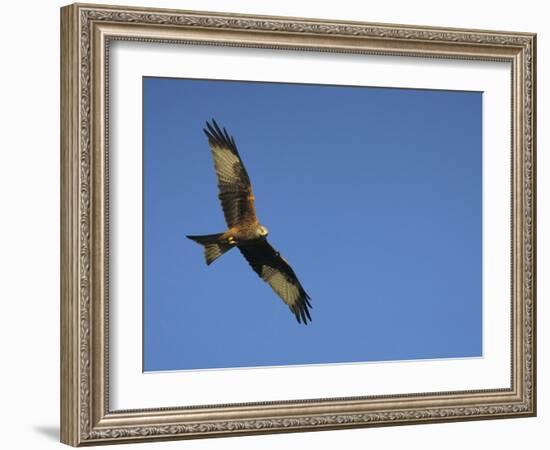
(213, 249)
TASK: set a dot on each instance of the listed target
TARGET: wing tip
(301, 309)
(218, 137)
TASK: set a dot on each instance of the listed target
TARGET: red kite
(244, 230)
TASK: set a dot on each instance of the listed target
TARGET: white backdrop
(132, 389)
(29, 238)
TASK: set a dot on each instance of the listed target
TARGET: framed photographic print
(276, 224)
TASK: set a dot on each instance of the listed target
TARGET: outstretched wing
(272, 267)
(235, 191)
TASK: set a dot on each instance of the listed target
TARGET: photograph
(360, 208)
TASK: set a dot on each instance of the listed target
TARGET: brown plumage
(244, 230)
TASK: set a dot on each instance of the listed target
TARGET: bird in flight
(244, 230)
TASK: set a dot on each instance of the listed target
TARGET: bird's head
(263, 231)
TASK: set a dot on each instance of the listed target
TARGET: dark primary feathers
(235, 191)
(272, 268)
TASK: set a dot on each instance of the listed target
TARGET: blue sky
(374, 196)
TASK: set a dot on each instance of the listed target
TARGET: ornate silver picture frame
(87, 413)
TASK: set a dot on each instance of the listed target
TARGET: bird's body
(244, 230)
(248, 232)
